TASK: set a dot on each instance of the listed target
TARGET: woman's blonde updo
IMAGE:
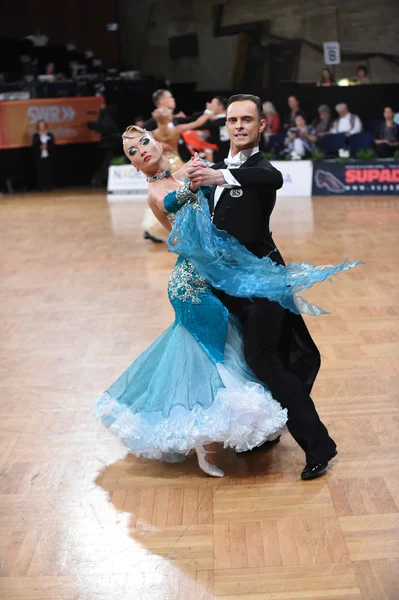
(134, 131)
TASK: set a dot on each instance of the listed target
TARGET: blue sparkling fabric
(193, 386)
(227, 265)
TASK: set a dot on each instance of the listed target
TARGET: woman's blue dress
(192, 386)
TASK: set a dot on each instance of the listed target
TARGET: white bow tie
(233, 163)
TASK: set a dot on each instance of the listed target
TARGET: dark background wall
(82, 22)
(369, 26)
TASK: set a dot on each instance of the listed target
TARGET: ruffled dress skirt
(174, 398)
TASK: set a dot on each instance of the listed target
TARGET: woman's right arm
(160, 214)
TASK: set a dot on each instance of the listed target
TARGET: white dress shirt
(233, 162)
(344, 124)
(44, 138)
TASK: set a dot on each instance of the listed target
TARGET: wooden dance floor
(81, 294)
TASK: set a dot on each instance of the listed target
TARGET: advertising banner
(362, 178)
(66, 118)
(297, 177)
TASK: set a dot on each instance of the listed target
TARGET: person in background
(50, 69)
(43, 146)
(326, 79)
(301, 139)
(362, 75)
(386, 137)
(216, 128)
(295, 109)
(139, 122)
(347, 122)
(38, 39)
(273, 122)
(163, 98)
(169, 134)
(322, 124)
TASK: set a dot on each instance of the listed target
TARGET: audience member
(295, 109)
(50, 69)
(326, 79)
(273, 122)
(301, 139)
(38, 39)
(387, 135)
(322, 124)
(362, 76)
(347, 122)
(43, 145)
(272, 118)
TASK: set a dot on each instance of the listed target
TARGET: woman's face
(388, 113)
(300, 122)
(143, 152)
(326, 74)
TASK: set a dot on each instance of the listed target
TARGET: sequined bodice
(198, 309)
(185, 283)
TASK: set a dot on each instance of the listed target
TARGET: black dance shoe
(148, 236)
(314, 471)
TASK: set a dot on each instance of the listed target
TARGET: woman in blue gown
(192, 388)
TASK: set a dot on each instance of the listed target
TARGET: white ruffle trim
(241, 417)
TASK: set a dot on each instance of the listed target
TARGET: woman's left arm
(175, 200)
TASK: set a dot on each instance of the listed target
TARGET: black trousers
(282, 354)
(44, 170)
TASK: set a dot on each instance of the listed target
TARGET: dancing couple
(238, 363)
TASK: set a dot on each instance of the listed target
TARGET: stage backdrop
(66, 119)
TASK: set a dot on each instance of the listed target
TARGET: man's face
(217, 107)
(342, 111)
(167, 101)
(293, 103)
(243, 124)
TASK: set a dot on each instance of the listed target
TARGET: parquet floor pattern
(81, 294)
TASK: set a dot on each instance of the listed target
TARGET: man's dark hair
(222, 100)
(157, 95)
(255, 99)
(300, 114)
(139, 118)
